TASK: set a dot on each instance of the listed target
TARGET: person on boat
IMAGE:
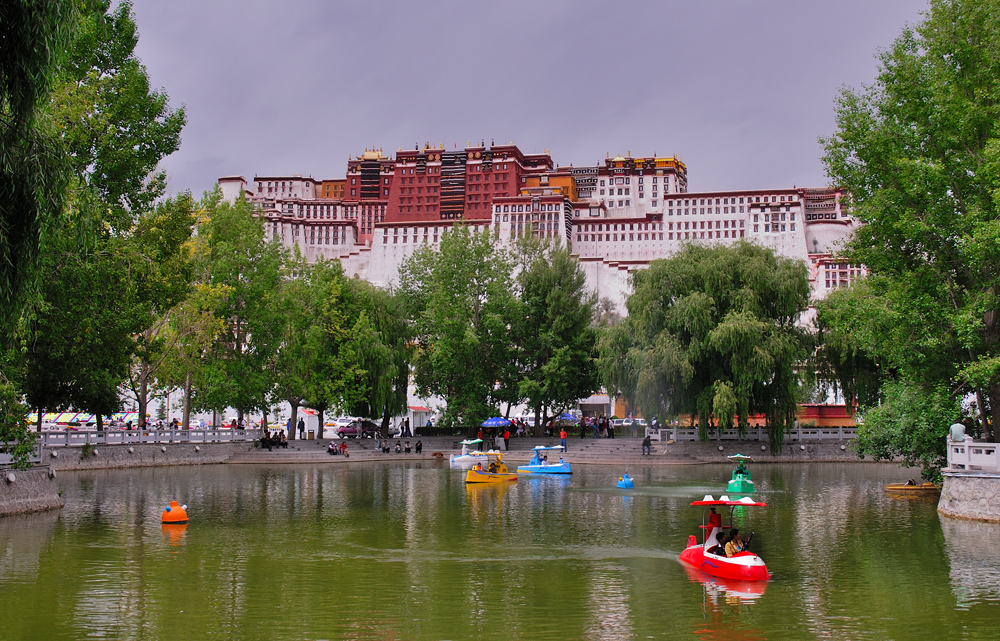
(545, 460)
(741, 469)
(493, 467)
(735, 544)
(719, 548)
(714, 519)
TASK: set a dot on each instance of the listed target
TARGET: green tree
(919, 153)
(161, 238)
(712, 333)
(33, 178)
(246, 268)
(189, 330)
(383, 339)
(552, 332)
(115, 127)
(33, 167)
(458, 294)
(317, 362)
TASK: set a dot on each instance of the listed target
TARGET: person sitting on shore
(418, 447)
(407, 448)
(284, 440)
(332, 449)
(399, 447)
(343, 448)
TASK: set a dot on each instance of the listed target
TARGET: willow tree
(919, 153)
(384, 351)
(712, 332)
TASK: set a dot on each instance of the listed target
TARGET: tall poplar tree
(552, 334)
(458, 294)
(918, 151)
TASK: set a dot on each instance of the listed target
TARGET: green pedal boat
(741, 482)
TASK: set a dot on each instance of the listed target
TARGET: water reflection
(174, 532)
(407, 551)
(22, 539)
(974, 565)
(732, 591)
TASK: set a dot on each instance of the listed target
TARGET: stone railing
(79, 438)
(970, 456)
(799, 434)
(36, 457)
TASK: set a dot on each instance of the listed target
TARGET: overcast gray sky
(739, 90)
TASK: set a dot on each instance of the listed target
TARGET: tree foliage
(382, 335)
(553, 340)
(919, 153)
(712, 333)
(245, 267)
(33, 169)
(458, 295)
(115, 127)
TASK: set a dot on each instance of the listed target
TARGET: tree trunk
(142, 400)
(989, 427)
(991, 336)
(319, 428)
(215, 419)
(185, 424)
(263, 423)
(38, 420)
(100, 421)
(293, 426)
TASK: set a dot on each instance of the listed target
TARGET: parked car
(362, 428)
(338, 422)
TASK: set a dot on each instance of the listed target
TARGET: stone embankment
(140, 455)
(33, 490)
(971, 496)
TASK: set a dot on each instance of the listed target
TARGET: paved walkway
(590, 451)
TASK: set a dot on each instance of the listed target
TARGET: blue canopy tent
(496, 421)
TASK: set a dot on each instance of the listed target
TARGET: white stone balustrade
(79, 438)
(971, 456)
(799, 434)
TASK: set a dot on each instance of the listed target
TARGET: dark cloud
(740, 90)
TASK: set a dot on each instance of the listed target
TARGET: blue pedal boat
(540, 465)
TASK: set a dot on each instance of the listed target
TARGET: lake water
(408, 551)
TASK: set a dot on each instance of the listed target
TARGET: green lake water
(407, 551)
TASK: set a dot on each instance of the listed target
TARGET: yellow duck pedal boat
(495, 471)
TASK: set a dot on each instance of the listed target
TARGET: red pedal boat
(744, 566)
